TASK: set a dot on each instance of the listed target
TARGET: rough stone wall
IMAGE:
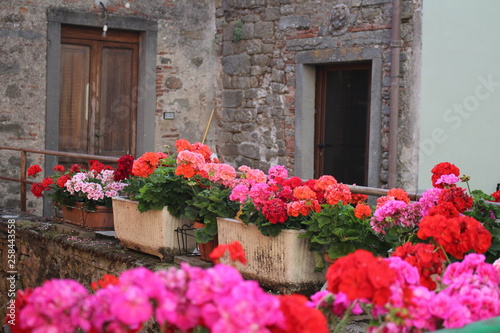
(259, 42)
(186, 74)
(235, 56)
(42, 254)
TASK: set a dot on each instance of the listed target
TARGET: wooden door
(98, 98)
(342, 122)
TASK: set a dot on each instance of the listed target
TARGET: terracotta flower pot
(207, 248)
(101, 218)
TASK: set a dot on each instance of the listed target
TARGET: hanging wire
(105, 27)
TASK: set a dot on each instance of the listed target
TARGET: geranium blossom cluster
(445, 199)
(196, 159)
(124, 168)
(147, 163)
(94, 185)
(426, 258)
(457, 235)
(470, 292)
(279, 197)
(218, 299)
(395, 209)
(97, 185)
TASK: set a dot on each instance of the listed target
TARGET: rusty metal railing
(23, 168)
(354, 188)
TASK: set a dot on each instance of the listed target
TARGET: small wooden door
(342, 122)
(98, 97)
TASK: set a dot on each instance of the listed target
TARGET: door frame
(305, 73)
(146, 91)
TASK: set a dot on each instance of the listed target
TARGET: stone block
(250, 150)
(260, 60)
(244, 116)
(264, 30)
(230, 149)
(241, 82)
(236, 64)
(271, 14)
(231, 127)
(232, 98)
(248, 31)
(254, 46)
(9, 69)
(248, 127)
(294, 22)
(13, 91)
(173, 83)
(277, 76)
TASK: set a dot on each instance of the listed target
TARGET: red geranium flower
(456, 235)
(428, 259)
(275, 211)
(361, 275)
(76, 168)
(456, 196)
(19, 303)
(299, 318)
(446, 209)
(236, 252)
(124, 168)
(98, 166)
(357, 198)
(62, 180)
(106, 280)
(33, 170)
(145, 165)
(362, 210)
(59, 168)
(496, 195)
(442, 169)
(37, 189)
(399, 194)
(46, 182)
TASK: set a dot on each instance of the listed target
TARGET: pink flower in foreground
(131, 306)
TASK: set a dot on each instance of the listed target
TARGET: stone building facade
(253, 62)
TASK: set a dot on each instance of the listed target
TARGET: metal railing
(23, 167)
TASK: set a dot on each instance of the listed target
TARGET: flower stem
(343, 323)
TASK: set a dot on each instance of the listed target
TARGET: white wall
(460, 94)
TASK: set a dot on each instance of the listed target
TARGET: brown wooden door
(98, 103)
(342, 122)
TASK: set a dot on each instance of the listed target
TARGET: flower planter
(283, 263)
(151, 232)
(99, 219)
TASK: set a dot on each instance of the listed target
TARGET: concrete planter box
(283, 263)
(151, 232)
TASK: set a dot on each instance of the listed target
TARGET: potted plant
(169, 190)
(273, 210)
(84, 196)
(151, 210)
(340, 229)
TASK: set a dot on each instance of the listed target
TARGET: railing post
(23, 180)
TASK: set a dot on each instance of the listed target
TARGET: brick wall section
(258, 92)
